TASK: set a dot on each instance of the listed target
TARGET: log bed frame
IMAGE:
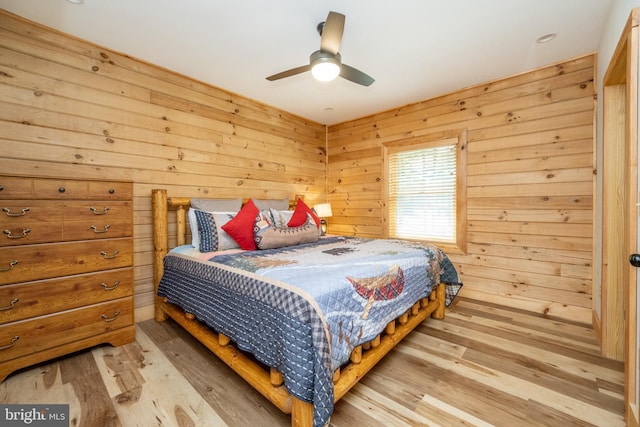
(269, 382)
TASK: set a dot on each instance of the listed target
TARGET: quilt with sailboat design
(302, 309)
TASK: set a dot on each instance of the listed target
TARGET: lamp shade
(323, 210)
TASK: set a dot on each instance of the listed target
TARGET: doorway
(620, 213)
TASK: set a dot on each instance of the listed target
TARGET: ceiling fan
(326, 64)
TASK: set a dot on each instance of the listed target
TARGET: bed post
(301, 413)
(160, 244)
(440, 298)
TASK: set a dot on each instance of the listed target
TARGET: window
(426, 190)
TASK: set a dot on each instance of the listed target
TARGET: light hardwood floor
(482, 365)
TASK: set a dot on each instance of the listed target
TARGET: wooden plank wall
(71, 109)
(530, 183)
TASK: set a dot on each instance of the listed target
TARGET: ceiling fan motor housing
(320, 56)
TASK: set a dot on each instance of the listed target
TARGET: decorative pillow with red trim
(241, 226)
(269, 236)
(300, 215)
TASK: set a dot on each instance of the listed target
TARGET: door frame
(619, 311)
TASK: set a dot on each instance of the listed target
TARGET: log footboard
(268, 381)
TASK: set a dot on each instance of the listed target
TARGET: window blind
(422, 193)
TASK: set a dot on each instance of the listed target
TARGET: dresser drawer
(91, 190)
(101, 229)
(68, 189)
(110, 190)
(15, 212)
(31, 299)
(44, 261)
(12, 187)
(26, 232)
(28, 221)
(94, 210)
(103, 220)
(41, 333)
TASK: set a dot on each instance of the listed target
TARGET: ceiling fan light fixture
(325, 71)
(325, 66)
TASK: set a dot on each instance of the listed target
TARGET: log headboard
(161, 204)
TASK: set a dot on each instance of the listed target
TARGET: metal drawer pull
(110, 288)
(96, 212)
(105, 256)
(110, 319)
(95, 229)
(25, 231)
(11, 305)
(14, 340)
(11, 265)
(8, 212)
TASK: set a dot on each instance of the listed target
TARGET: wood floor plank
(448, 414)
(348, 415)
(157, 394)
(512, 365)
(216, 382)
(552, 335)
(96, 408)
(531, 369)
(41, 385)
(539, 334)
(386, 411)
(465, 393)
(518, 388)
(576, 332)
(542, 415)
(547, 352)
(483, 365)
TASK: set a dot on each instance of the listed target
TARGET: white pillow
(216, 205)
(279, 204)
(215, 238)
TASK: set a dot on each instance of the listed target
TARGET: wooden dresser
(66, 268)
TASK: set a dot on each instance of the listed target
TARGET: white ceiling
(415, 49)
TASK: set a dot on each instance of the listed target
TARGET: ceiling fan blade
(289, 73)
(332, 33)
(355, 75)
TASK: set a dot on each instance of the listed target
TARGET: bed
(330, 308)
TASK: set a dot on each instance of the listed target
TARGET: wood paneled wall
(530, 183)
(71, 109)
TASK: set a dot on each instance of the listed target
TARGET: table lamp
(323, 210)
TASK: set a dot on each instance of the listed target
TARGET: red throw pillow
(241, 226)
(299, 216)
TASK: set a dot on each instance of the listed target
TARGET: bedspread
(302, 309)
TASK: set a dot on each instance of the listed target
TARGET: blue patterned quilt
(302, 309)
